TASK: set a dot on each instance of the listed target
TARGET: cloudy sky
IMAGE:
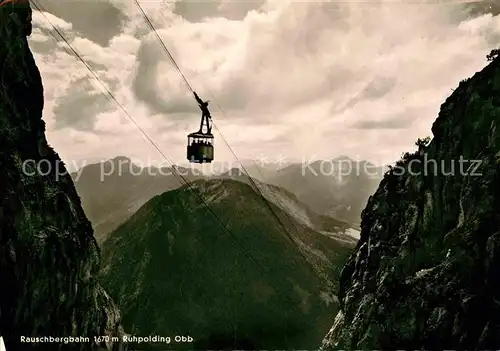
(293, 79)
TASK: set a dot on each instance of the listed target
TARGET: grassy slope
(175, 270)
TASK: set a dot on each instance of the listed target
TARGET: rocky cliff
(48, 254)
(426, 272)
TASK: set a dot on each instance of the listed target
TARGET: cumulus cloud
(355, 75)
(198, 11)
(97, 20)
(80, 106)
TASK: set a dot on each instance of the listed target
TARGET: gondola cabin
(200, 148)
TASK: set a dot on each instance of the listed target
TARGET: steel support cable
(110, 95)
(220, 132)
(287, 232)
(233, 238)
(150, 24)
(172, 59)
(269, 205)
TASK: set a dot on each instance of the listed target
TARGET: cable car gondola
(200, 148)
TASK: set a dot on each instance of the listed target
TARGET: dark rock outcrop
(426, 271)
(48, 255)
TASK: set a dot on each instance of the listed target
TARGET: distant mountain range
(125, 187)
(339, 188)
(114, 190)
(227, 270)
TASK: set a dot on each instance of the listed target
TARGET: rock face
(48, 255)
(426, 271)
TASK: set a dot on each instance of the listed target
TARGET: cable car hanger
(205, 113)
